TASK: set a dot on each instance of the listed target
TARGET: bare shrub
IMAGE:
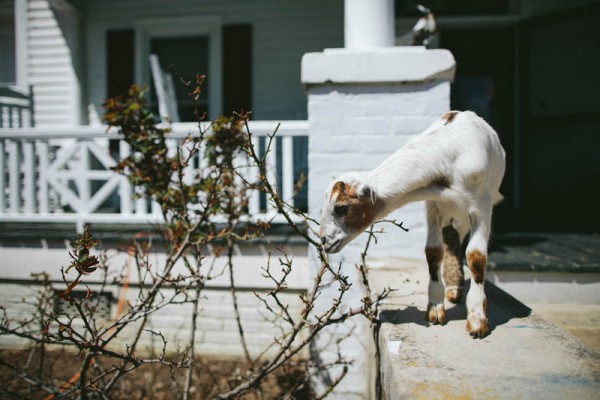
(204, 210)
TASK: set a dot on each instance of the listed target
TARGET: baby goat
(456, 165)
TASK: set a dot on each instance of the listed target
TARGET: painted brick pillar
(364, 104)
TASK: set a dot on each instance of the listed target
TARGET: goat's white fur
(456, 166)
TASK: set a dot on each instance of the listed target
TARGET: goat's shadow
(501, 308)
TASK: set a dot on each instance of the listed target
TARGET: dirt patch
(150, 381)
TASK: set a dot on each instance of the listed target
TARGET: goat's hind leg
(452, 265)
(481, 218)
(434, 252)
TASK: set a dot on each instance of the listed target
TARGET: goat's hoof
(477, 327)
(454, 296)
(435, 314)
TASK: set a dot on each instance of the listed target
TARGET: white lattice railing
(63, 175)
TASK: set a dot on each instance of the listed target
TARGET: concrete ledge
(378, 65)
(525, 356)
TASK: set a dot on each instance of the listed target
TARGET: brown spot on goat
(449, 116)
(477, 263)
(454, 276)
(434, 256)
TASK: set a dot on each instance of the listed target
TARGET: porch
(64, 176)
(54, 181)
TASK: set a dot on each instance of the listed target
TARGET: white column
(369, 23)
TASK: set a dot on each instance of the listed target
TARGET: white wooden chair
(165, 91)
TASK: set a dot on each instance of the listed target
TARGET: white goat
(456, 166)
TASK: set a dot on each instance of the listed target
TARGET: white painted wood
(254, 195)
(179, 130)
(14, 182)
(28, 177)
(165, 92)
(2, 178)
(271, 160)
(141, 208)
(43, 194)
(287, 158)
(81, 177)
(21, 26)
(50, 47)
(125, 189)
(71, 150)
(66, 195)
(103, 193)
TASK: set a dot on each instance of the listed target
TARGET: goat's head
(351, 206)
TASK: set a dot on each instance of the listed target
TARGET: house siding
(52, 46)
(282, 31)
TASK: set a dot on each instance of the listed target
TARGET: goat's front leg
(434, 253)
(477, 323)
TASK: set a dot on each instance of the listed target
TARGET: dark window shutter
(237, 68)
(119, 61)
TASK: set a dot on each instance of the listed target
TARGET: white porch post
(368, 23)
(364, 102)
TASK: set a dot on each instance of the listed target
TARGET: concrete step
(525, 356)
(581, 320)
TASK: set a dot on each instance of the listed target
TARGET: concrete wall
(217, 332)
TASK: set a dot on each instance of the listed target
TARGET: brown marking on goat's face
(338, 189)
(361, 212)
(477, 263)
(434, 256)
(449, 116)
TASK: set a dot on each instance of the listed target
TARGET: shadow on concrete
(502, 308)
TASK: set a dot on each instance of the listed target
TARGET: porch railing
(16, 108)
(63, 175)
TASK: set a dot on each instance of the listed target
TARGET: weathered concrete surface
(525, 356)
(582, 320)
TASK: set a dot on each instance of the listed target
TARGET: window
(192, 45)
(8, 50)
(184, 56)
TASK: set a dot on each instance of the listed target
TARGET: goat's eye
(341, 209)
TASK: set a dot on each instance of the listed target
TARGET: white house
(529, 67)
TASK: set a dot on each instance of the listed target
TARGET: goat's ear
(370, 193)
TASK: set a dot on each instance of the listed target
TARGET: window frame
(21, 65)
(148, 29)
